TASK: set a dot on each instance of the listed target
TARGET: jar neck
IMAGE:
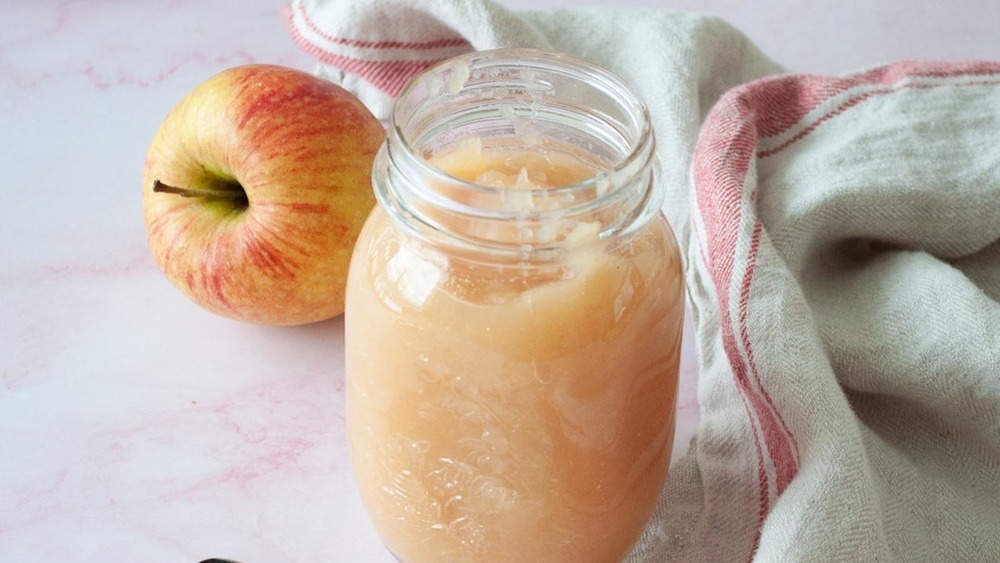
(518, 101)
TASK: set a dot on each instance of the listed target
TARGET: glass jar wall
(514, 314)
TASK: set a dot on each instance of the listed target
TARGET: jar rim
(560, 93)
(640, 149)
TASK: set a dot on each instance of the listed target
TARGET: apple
(255, 187)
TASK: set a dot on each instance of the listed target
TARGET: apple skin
(278, 164)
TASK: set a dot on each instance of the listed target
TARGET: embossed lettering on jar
(514, 315)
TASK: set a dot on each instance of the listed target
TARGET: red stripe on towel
(721, 164)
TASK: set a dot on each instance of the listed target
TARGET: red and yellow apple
(254, 190)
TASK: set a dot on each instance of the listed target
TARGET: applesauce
(513, 328)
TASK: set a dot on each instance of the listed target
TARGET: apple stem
(159, 186)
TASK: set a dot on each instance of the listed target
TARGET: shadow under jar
(514, 314)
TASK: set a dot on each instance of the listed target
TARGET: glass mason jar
(514, 313)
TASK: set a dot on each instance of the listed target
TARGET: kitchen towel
(842, 244)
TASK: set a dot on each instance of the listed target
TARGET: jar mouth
(533, 60)
(529, 99)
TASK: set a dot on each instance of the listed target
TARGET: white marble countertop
(135, 426)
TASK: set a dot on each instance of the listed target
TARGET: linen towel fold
(842, 242)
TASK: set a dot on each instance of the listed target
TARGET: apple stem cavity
(236, 194)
